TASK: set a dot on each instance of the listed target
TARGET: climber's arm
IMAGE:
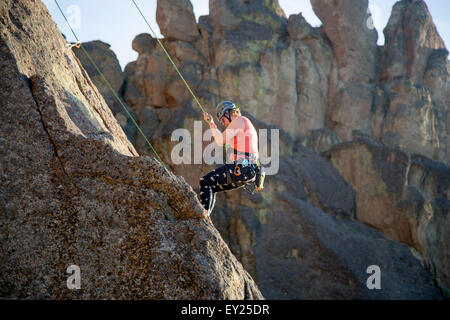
(227, 136)
(218, 136)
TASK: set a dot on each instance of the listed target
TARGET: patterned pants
(224, 179)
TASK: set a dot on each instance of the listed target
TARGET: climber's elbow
(219, 141)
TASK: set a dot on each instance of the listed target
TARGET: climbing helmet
(224, 108)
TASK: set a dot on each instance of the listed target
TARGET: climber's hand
(208, 118)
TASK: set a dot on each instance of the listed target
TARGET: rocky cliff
(364, 176)
(75, 192)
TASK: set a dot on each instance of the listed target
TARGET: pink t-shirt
(242, 136)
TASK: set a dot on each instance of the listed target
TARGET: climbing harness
(250, 159)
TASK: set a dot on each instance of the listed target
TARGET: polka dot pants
(221, 180)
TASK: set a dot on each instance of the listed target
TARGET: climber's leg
(212, 183)
(235, 181)
(213, 202)
(228, 180)
(206, 193)
(221, 180)
(207, 183)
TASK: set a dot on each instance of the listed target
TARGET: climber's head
(225, 111)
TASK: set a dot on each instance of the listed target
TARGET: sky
(118, 22)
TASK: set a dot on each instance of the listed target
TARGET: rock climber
(242, 166)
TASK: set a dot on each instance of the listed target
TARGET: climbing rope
(78, 44)
(170, 59)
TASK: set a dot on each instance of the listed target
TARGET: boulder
(109, 65)
(144, 43)
(107, 62)
(176, 20)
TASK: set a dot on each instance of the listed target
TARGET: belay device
(258, 184)
(260, 176)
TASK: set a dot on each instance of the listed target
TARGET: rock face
(403, 195)
(413, 83)
(74, 190)
(362, 141)
(345, 23)
(411, 38)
